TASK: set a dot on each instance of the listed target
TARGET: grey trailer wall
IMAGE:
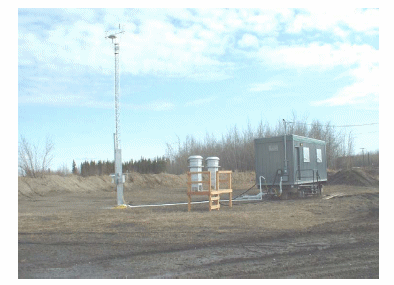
(309, 160)
(269, 157)
(305, 158)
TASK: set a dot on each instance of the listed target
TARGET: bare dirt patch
(73, 232)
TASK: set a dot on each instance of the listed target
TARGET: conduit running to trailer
(183, 203)
(161, 205)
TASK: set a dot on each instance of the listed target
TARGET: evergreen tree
(74, 168)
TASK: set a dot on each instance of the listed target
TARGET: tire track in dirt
(100, 244)
(276, 257)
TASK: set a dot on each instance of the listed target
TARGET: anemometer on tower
(118, 177)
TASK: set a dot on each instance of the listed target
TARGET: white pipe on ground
(183, 203)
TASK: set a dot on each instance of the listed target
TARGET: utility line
(367, 133)
(344, 126)
(287, 122)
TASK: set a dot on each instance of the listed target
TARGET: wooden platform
(213, 194)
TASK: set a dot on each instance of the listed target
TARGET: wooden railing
(229, 189)
(213, 194)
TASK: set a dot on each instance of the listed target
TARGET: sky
(192, 72)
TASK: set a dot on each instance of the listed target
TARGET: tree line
(143, 165)
(235, 148)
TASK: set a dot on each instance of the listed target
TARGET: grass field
(78, 234)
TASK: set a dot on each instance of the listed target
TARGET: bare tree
(32, 161)
(349, 150)
(316, 130)
(295, 126)
(63, 170)
(236, 148)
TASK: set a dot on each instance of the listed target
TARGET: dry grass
(92, 213)
(77, 184)
(83, 205)
(67, 224)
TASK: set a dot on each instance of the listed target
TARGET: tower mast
(118, 178)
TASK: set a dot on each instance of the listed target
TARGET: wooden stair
(214, 202)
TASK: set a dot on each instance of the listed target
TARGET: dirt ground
(74, 232)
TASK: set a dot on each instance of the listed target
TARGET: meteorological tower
(118, 177)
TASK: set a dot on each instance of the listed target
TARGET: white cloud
(266, 86)
(163, 48)
(159, 47)
(341, 33)
(156, 106)
(365, 89)
(319, 56)
(51, 99)
(81, 44)
(248, 40)
(200, 102)
(84, 100)
(366, 21)
(357, 93)
(324, 19)
(198, 44)
(362, 62)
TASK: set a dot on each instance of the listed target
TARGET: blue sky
(192, 71)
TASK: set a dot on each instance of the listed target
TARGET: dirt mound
(243, 180)
(355, 176)
(52, 184)
(240, 180)
(374, 172)
(71, 183)
(157, 180)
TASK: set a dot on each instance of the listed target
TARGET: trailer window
(306, 154)
(318, 155)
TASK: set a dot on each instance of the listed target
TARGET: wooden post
(189, 197)
(209, 182)
(229, 181)
(209, 189)
(230, 203)
(217, 180)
